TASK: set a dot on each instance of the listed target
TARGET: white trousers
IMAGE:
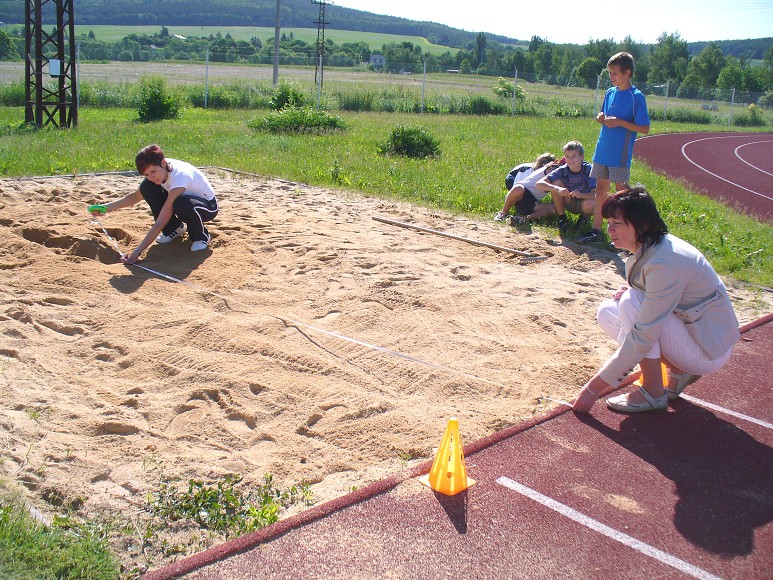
(618, 317)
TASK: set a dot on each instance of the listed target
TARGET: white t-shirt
(185, 175)
(531, 180)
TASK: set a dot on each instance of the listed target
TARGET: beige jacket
(675, 277)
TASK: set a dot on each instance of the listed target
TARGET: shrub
(106, 94)
(752, 117)
(155, 103)
(356, 101)
(287, 95)
(298, 120)
(13, 94)
(682, 116)
(410, 142)
(504, 90)
(766, 100)
(480, 105)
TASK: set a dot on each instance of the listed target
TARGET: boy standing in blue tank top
(623, 115)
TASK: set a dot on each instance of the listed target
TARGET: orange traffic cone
(448, 474)
(663, 369)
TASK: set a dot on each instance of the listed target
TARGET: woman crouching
(675, 310)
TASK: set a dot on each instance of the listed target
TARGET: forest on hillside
(293, 14)
(302, 14)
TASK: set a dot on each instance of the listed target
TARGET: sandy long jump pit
(114, 378)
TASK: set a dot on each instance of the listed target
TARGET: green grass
(64, 550)
(468, 176)
(375, 40)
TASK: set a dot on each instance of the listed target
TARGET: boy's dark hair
(622, 59)
(636, 207)
(150, 155)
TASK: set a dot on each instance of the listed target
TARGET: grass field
(375, 40)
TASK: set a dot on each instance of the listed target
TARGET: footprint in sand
(329, 317)
(107, 352)
(458, 276)
(116, 428)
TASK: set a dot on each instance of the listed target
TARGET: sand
(310, 342)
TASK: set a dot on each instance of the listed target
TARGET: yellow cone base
(663, 369)
(453, 489)
(448, 474)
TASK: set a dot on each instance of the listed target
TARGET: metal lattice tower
(319, 69)
(53, 99)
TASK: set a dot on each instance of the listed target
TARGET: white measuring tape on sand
(298, 323)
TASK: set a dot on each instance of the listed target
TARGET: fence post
(206, 77)
(732, 100)
(665, 104)
(423, 85)
(515, 92)
(78, 75)
(319, 84)
(598, 84)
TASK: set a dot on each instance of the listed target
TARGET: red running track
(735, 168)
(679, 494)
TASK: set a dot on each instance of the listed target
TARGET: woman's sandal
(622, 404)
(683, 380)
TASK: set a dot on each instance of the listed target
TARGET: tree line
(666, 65)
(297, 14)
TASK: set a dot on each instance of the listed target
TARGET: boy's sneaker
(500, 216)
(582, 222)
(166, 238)
(591, 237)
(563, 223)
(199, 245)
(517, 220)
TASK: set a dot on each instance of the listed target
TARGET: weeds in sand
(224, 507)
(405, 457)
(66, 549)
(150, 462)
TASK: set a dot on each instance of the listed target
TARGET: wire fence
(328, 83)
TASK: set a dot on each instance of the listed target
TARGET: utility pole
(45, 103)
(276, 45)
(319, 69)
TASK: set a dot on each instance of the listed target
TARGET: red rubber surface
(735, 168)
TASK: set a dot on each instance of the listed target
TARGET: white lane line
(719, 409)
(684, 153)
(747, 163)
(605, 530)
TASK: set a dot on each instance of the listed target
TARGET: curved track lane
(735, 168)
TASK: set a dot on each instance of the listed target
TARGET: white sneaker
(199, 245)
(166, 238)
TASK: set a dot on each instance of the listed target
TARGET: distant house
(377, 60)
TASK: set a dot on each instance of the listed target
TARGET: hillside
(299, 14)
(293, 14)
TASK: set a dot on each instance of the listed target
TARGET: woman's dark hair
(636, 207)
(150, 155)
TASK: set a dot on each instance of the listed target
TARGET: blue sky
(644, 20)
